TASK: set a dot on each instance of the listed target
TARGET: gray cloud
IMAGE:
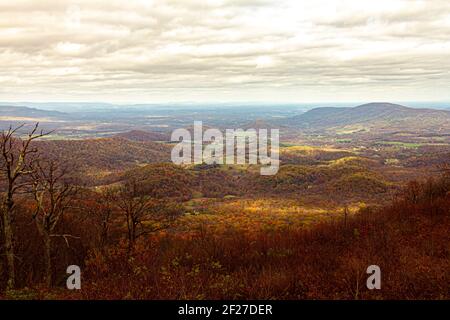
(137, 50)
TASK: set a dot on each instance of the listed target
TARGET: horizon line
(216, 102)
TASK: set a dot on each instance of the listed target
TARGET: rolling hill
(108, 154)
(378, 117)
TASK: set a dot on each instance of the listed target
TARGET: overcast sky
(217, 50)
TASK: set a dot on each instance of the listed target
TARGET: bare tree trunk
(345, 216)
(104, 235)
(9, 248)
(131, 237)
(14, 164)
(48, 260)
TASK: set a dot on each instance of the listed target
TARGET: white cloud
(137, 50)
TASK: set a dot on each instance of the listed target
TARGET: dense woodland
(160, 231)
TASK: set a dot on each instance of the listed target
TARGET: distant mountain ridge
(377, 117)
(20, 111)
(373, 116)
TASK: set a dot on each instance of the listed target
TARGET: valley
(323, 171)
(338, 166)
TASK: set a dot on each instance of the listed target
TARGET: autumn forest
(346, 196)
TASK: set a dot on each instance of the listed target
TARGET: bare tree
(143, 213)
(135, 208)
(15, 165)
(102, 210)
(53, 196)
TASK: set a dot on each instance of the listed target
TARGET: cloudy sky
(218, 50)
